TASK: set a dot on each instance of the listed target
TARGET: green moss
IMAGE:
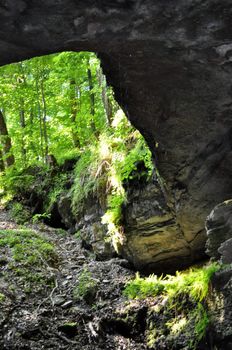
(16, 182)
(201, 321)
(40, 217)
(193, 282)
(19, 213)
(31, 256)
(2, 298)
(27, 247)
(140, 288)
(86, 288)
(184, 310)
(102, 171)
(57, 187)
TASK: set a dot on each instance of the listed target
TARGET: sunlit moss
(194, 282)
(184, 308)
(2, 297)
(103, 169)
(177, 325)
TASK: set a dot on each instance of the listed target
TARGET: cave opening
(68, 152)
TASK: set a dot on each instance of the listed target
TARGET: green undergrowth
(32, 256)
(184, 311)
(19, 213)
(86, 288)
(194, 282)
(56, 188)
(2, 297)
(28, 187)
(16, 181)
(109, 162)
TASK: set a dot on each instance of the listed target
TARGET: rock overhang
(170, 66)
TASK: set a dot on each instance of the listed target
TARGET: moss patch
(31, 258)
(86, 287)
(2, 297)
(178, 316)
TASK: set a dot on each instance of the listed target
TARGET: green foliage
(40, 217)
(31, 257)
(77, 235)
(60, 105)
(141, 288)
(201, 321)
(105, 166)
(84, 179)
(189, 287)
(16, 181)
(47, 105)
(58, 183)
(61, 232)
(2, 297)
(86, 288)
(194, 282)
(19, 213)
(27, 247)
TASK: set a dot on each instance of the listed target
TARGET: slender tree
(6, 141)
(74, 109)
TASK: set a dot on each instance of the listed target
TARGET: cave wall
(170, 65)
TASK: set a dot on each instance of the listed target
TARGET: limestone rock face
(226, 251)
(92, 232)
(65, 211)
(153, 239)
(170, 65)
(219, 232)
(219, 309)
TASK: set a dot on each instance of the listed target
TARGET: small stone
(67, 304)
(76, 310)
(58, 300)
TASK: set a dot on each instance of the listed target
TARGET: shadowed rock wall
(170, 65)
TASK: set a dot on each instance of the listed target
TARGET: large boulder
(154, 240)
(219, 310)
(219, 232)
(91, 230)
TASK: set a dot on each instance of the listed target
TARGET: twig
(89, 338)
(69, 341)
(92, 331)
(51, 294)
(48, 297)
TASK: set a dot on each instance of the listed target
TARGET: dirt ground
(66, 314)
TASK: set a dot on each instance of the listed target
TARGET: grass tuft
(184, 311)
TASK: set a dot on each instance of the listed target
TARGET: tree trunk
(44, 120)
(105, 98)
(40, 120)
(92, 97)
(91, 94)
(2, 165)
(6, 141)
(33, 143)
(74, 109)
(23, 125)
(22, 81)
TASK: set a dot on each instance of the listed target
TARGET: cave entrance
(66, 142)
